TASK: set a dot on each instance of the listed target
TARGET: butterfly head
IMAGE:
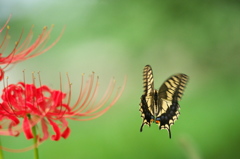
(152, 119)
(157, 121)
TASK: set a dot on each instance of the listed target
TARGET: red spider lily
(36, 107)
(43, 107)
(25, 50)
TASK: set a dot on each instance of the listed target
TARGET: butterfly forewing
(170, 86)
(147, 99)
(148, 84)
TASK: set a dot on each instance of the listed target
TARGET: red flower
(24, 50)
(45, 107)
(36, 106)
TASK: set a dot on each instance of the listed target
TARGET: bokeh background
(118, 38)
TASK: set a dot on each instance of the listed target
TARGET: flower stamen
(5, 23)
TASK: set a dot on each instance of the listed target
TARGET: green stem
(1, 151)
(36, 155)
(34, 131)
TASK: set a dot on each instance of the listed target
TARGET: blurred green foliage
(117, 38)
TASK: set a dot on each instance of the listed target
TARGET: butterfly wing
(147, 99)
(169, 94)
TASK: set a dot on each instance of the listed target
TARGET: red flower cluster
(27, 108)
(24, 106)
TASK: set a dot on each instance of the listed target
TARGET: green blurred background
(118, 38)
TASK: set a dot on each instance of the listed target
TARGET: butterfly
(161, 106)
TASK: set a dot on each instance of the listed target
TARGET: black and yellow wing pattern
(161, 106)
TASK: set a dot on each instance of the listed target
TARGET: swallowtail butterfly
(161, 106)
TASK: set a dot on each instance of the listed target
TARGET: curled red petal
(27, 128)
(1, 74)
(56, 129)
(44, 130)
(66, 133)
(14, 122)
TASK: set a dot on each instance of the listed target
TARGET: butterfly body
(161, 106)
